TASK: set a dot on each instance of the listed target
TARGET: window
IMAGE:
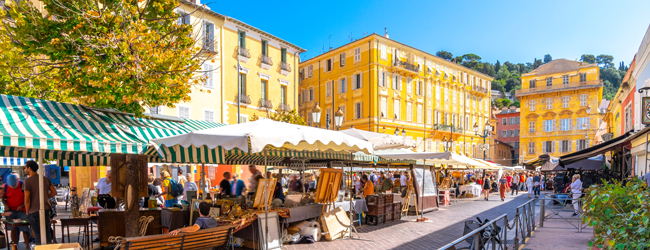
(549, 103)
(208, 115)
(357, 54)
(453, 95)
(382, 78)
(283, 55)
(549, 125)
(565, 146)
(328, 89)
(549, 81)
(531, 147)
(583, 123)
(207, 72)
(208, 36)
(583, 100)
(264, 88)
(357, 81)
(242, 84)
(532, 84)
(311, 70)
(429, 116)
(628, 118)
(583, 77)
(418, 89)
(516, 133)
(345, 112)
(565, 79)
(383, 52)
(244, 118)
(565, 124)
(504, 121)
(419, 113)
(342, 60)
(511, 133)
(396, 109)
(265, 47)
(397, 82)
(516, 146)
(516, 120)
(242, 39)
(156, 110)
(511, 120)
(384, 107)
(409, 112)
(565, 102)
(504, 133)
(357, 110)
(548, 146)
(531, 105)
(409, 85)
(343, 87)
(283, 94)
(328, 65)
(438, 93)
(582, 144)
(311, 94)
(183, 112)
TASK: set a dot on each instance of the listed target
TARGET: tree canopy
(115, 54)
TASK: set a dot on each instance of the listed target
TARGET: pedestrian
(509, 179)
(576, 187)
(238, 185)
(170, 200)
(104, 184)
(32, 201)
(203, 222)
(522, 179)
(515, 184)
(536, 182)
(190, 185)
(369, 188)
(486, 187)
(529, 185)
(357, 184)
(503, 182)
(224, 186)
(295, 185)
(312, 183)
(152, 192)
(256, 175)
(646, 178)
(542, 183)
(386, 183)
(277, 192)
(14, 203)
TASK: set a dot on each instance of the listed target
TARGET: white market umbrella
(446, 158)
(381, 141)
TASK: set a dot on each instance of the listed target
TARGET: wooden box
(389, 209)
(374, 200)
(397, 207)
(381, 219)
(389, 217)
(376, 210)
(388, 199)
(111, 223)
(397, 215)
(334, 222)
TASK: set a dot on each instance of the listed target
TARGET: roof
(443, 61)
(559, 65)
(507, 111)
(227, 18)
(629, 71)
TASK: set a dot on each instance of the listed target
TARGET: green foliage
(445, 55)
(283, 116)
(620, 215)
(501, 102)
(115, 54)
(588, 58)
(605, 61)
(516, 103)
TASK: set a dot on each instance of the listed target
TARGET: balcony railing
(443, 127)
(245, 99)
(243, 52)
(285, 107)
(407, 66)
(265, 103)
(285, 66)
(267, 60)
(596, 83)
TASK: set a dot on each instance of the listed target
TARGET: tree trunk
(131, 205)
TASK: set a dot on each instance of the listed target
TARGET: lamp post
(338, 119)
(396, 131)
(403, 132)
(315, 115)
(447, 144)
(486, 134)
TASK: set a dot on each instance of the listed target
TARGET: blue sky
(516, 31)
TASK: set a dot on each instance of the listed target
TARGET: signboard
(645, 110)
(211, 170)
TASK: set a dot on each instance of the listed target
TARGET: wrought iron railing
(265, 103)
(285, 107)
(443, 127)
(243, 52)
(285, 66)
(595, 83)
(407, 66)
(267, 60)
(246, 99)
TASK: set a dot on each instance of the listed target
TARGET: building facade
(385, 86)
(507, 128)
(250, 73)
(559, 108)
(501, 152)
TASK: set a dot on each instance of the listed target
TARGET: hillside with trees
(507, 75)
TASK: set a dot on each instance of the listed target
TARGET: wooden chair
(202, 239)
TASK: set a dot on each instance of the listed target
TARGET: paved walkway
(559, 233)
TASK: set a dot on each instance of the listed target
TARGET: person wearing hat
(14, 203)
(166, 189)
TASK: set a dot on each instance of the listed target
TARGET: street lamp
(486, 134)
(447, 144)
(338, 119)
(315, 115)
(403, 132)
(396, 131)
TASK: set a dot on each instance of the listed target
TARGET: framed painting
(329, 182)
(645, 111)
(260, 202)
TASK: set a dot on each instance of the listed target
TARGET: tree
(118, 54)
(622, 66)
(547, 58)
(537, 63)
(605, 61)
(497, 66)
(588, 58)
(283, 116)
(445, 55)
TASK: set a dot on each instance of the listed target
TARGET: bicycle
(488, 236)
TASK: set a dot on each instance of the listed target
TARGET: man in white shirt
(576, 187)
(646, 178)
(104, 184)
(403, 179)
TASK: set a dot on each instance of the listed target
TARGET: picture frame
(215, 212)
(275, 238)
(645, 111)
(259, 193)
(194, 206)
(327, 177)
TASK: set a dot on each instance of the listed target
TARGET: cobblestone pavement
(444, 226)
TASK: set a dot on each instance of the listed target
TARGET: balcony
(267, 62)
(243, 99)
(265, 103)
(285, 68)
(559, 87)
(407, 66)
(285, 107)
(448, 128)
(243, 54)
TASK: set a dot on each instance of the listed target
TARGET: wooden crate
(388, 199)
(397, 215)
(389, 217)
(381, 219)
(376, 210)
(389, 209)
(374, 200)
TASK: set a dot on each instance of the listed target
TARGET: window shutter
(389, 75)
(587, 144)
(553, 145)
(569, 148)
(353, 82)
(399, 83)
(361, 80)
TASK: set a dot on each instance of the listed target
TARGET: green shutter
(284, 55)
(242, 39)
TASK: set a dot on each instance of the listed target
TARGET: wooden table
(79, 221)
(23, 224)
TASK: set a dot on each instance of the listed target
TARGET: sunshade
(446, 158)
(268, 133)
(380, 141)
(491, 165)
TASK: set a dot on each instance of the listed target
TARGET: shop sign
(646, 110)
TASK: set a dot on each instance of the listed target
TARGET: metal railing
(265, 103)
(487, 237)
(246, 99)
(285, 66)
(595, 83)
(243, 52)
(407, 66)
(285, 107)
(267, 60)
(562, 200)
(443, 127)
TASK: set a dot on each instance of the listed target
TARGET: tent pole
(203, 183)
(266, 205)
(41, 194)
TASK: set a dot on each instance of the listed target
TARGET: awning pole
(266, 205)
(41, 194)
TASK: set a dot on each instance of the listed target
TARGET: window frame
(189, 111)
(213, 115)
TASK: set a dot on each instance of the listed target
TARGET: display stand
(407, 202)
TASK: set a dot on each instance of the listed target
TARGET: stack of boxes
(381, 209)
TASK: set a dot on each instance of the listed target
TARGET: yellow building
(384, 86)
(253, 72)
(559, 108)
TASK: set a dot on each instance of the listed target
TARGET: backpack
(176, 189)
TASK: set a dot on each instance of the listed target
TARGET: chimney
(386, 33)
(330, 48)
